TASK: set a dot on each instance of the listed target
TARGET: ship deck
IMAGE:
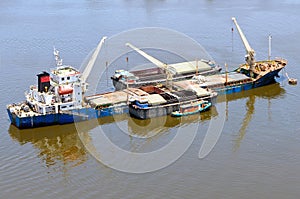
(190, 85)
(220, 79)
(111, 98)
(107, 99)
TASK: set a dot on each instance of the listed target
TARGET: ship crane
(250, 56)
(91, 63)
(149, 57)
(158, 63)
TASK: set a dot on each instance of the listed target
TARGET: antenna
(58, 60)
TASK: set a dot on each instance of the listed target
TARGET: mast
(226, 74)
(250, 56)
(269, 52)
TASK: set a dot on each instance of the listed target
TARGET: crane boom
(243, 37)
(92, 61)
(250, 57)
(149, 57)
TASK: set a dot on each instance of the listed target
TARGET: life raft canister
(65, 89)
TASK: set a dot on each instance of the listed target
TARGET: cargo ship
(179, 71)
(240, 79)
(51, 101)
(251, 74)
(59, 98)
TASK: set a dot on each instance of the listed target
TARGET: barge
(180, 71)
(155, 101)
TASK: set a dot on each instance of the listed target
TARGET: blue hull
(76, 115)
(267, 79)
(263, 81)
(84, 114)
(234, 89)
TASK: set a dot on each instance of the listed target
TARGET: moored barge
(157, 101)
(180, 71)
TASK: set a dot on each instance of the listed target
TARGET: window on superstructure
(68, 78)
(62, 79)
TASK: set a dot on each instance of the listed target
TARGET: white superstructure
(61, 90)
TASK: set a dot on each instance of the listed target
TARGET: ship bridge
(65, 75)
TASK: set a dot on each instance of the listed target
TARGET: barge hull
(161, 110)
(151, 112)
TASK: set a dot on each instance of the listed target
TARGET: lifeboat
(65, 89)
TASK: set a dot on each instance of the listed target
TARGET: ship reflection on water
(61, 143)
(157, 125)
(55, 144)
(269, 92)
